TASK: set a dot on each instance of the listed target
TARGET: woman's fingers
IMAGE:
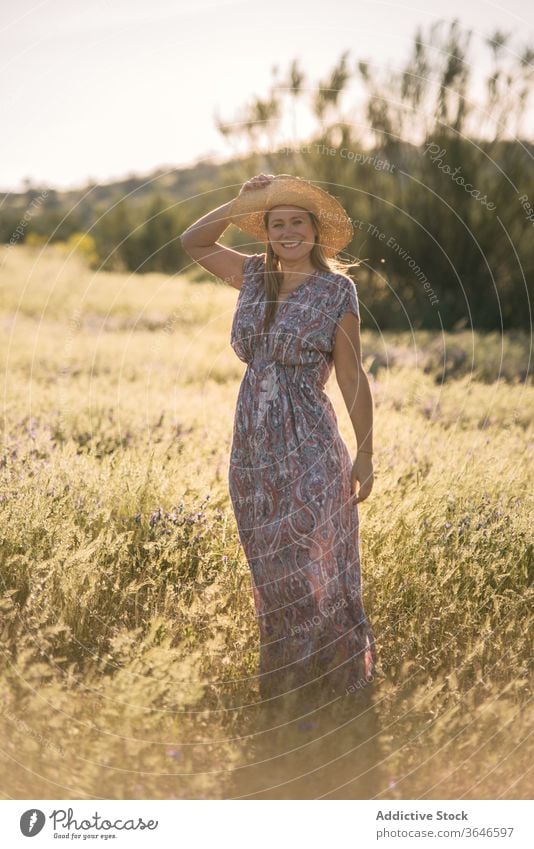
(259, 181)
(360, 490)
(363, 492)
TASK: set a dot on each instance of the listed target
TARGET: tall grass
(129, 638)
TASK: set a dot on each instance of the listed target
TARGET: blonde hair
(274, 275)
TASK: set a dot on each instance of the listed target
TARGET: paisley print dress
(289, 483)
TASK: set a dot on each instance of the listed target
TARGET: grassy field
(129, 640)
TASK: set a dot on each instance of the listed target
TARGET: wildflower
(306, 725)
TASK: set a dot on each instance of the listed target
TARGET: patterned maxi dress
(289, 483)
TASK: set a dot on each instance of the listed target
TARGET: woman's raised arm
(200, 239)
(200, 242)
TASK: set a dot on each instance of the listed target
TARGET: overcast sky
(97, 89)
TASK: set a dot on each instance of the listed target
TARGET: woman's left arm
(354, 386)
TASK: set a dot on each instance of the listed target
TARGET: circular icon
(31, 822)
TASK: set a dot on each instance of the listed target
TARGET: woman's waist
(315, 373)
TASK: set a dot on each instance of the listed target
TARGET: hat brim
(248, 209)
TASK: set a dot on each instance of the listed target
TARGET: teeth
(290, 244)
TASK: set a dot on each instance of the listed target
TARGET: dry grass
(128, 630)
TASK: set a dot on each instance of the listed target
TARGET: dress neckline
(296, 289)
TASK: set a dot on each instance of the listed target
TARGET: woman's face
(290, 231)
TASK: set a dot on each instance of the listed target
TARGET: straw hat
(248, 208)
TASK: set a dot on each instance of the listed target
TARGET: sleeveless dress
(289, 484)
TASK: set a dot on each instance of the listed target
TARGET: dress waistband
(295, 371)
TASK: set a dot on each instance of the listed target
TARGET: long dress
(289, 484)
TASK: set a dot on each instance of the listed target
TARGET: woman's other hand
(362, 477)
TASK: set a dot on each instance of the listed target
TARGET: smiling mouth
(291, 244)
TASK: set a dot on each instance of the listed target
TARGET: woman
(293, 487)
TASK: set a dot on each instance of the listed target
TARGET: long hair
(274, 276)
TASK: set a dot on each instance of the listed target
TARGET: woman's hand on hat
(257, 182)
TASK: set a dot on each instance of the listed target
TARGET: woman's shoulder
(346, 296)
(341, 284)
(343, 279)
(341, 295)
(254, 263)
